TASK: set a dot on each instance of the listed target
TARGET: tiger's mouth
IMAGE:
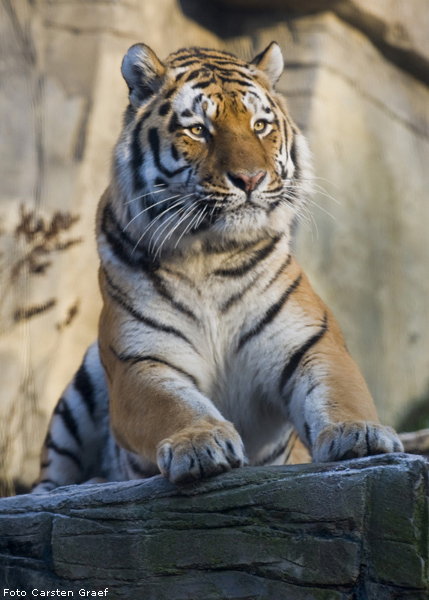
(175, 216)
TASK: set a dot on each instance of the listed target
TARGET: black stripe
(186, 113)
(200, 466)
(227, 61)
(164, 292)
(129, 114)
(271, 101)
(279, 271)
(270, 314)
(188, 63)
(231, 245)
(274, 205)
(291, 447)
(204, 84)
(174, 124)
(164, 108)
(285, 133)
(195, 74)
(154, 144)
(159, 285)
(311, 388)
(184, 278)
(137, 157)
(196, 100)
(244, 268)
(170, 92)
(62, 409)
(278, 451)
(239, 295)
(122, 245)
(294, 361)
(174, 152)
(65, 452)
(83, 385)
(239, 81)
(232, 69)
(217, 54)
(117, 451)
(45, 464)
(159, 181)
(275, 191)
(368, 445)
(307, 432)
(293, 156)
(135, 466)
(119, 297)
(135, 359)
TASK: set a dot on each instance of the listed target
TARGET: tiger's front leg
(158, 412)
(331, 405)
(160, 416)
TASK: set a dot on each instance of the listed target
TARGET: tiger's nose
(245, 182)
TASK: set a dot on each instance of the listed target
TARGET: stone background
(356, 78)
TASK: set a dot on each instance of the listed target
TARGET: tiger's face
(208, 149)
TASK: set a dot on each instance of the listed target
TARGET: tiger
(213, 350)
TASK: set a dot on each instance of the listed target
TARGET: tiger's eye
(197, 130)
(260, 126)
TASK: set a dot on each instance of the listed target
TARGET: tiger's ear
(270, 61)
(143, 72)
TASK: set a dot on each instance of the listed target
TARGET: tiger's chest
(204, 318)
(239, 374)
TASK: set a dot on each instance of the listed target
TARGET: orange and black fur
(213, 349)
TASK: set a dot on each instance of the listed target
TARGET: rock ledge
(351, 530)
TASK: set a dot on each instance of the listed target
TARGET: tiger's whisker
(143, 196)
(163, 226)
(323, 192)
(174, 205)
(184, 231)
(177, 203)
(324, 209)
(200, 218)
(184, 213)
(167, 221)
(188, 211)
(148, 208)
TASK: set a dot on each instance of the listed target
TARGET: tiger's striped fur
(213, 349)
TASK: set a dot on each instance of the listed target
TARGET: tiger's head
(208, 150)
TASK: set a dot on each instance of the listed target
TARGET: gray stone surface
(399, 29)
(357, 529)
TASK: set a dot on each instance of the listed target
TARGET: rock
(356, 529)
(393, 26)
(397, 28)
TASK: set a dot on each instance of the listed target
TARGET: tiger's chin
(250, 222)
(239, 227)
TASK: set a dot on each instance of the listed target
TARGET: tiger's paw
(354, 439)
(200, 451)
